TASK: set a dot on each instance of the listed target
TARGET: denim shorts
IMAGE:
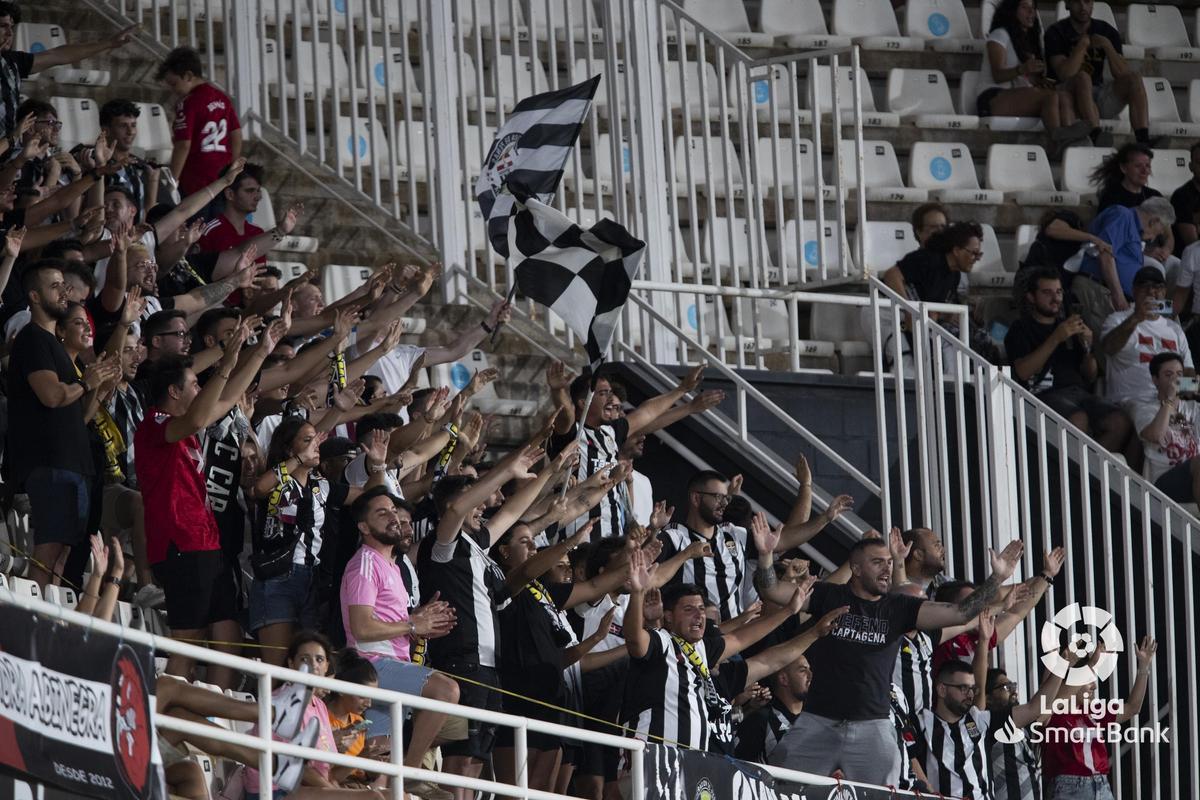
(396, 676)
(287, 598)
(59, 501)
(1081, 787)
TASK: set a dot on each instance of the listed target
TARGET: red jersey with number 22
(207, 119)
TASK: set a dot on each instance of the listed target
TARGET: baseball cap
(1149, 275)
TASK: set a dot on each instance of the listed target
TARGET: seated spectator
(17, 65)
(207, 132)
(761, 731)
(119, 121)
(1186, 200)
(1012, 78)
(1061, 241)
(1170, 429)
(1123, 178)
(1105, 280)
(1132, 337)
(928, 219)
(1052, 356)
(1079, 45)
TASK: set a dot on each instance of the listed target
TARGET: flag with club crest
(582, 275)
(530, 151)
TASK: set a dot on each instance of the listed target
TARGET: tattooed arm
(940, 615)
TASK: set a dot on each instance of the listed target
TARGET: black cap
(336, 446)
(1149, 275)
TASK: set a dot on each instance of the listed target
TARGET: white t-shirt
(1189, 273)
(643, 498)
(1001, 37)
(1128, 372)
(149, 240)
(1178, 444)
(266, 429)
(356, 475)
(393, 368)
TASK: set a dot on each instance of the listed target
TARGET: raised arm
(775, 658)
(74, 53)
(203, 410)
(645, 414)
(1026, 713)
(751, 632)
(1035, 588)
(469, 339)
(766, 540)
(516, 465)
(793, 535)
(698, 405)
(941, 615)
(637, 638)
(979, 661)
(559, 378)
(516, 505)
(1137, 693)
(194, 203)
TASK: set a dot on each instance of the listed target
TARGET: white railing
(985, 461)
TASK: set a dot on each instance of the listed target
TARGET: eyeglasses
(721, 497)
(52, 124)
(965, 688)
(974, 254)
(1011, 686)
(177, 334)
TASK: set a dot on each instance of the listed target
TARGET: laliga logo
(1081, 644)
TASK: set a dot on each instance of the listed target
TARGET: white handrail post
(397, 756)
(521, 755)
(643, 62)
(1005, 491)
(265, 772)
(637, 773)
(444, 70)
(247, 79)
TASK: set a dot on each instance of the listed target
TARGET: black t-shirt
(852, 666)
(534, 637)
(39, 436)
(1060, 41)
(928, 276)
(1049, 252)
(1062, 368)
(1120, 196)
(1186, 200)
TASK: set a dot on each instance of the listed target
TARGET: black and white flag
(529, 153)
(583, 276)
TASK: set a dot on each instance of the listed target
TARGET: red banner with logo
(76, 708)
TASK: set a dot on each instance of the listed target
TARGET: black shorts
(983, 103)
(554, 695)
(603, 693)
(1176, 483)
(481, 736)
(199, 587)
(1073, 399)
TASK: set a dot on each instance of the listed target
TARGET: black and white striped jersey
(1016, 771)
(727, 576)
(761, 731)
(955, 754)
(906, 736)
(669, 691)
(599, 449)
(914, 670)
(474, 584)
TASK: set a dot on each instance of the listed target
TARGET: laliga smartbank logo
(1103, 716)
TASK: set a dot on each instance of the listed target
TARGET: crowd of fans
(191, 433)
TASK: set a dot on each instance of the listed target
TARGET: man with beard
(925, 563)
(1016, 767)
(762, 730)
(846, 719)
(957, 734)
(380, 620)
(48, 455)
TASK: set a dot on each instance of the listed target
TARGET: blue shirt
(1122, 228)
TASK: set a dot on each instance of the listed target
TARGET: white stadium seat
(1022, 172)
(61, 596)
(968, 90)
(725, 244)
(1160, 30)
(881, 173)
(885, 243)
(578, 12)
(310, 64)
(1194, 96)
(400, 14)
(842, 325)
(350, 135)
(24, 587)
(680, 81)
(1103, 12)
(990, 270)
(871, 24)
(580, 71)
(339, 280)
(1022, 241)
(486, 401)
(777, 167)
(1164, 113)
(922, 96)
(1169, 170)
(798, 24)
(728, 19)
(80, 118)
(34, 37)
(942, 24)
(1077, 164)
(481, 14)
(530, 79)
(947, 170)
(788, 106)
(809, 249)
(604, 180)
(153, 132)
(411, 160)
(713, 177)
(846, 81)
(374, 73)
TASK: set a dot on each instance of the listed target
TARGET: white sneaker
(150, 596)
(288, 707)
(288, 769)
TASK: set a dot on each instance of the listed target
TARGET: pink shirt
(325, 741)
(372, 580)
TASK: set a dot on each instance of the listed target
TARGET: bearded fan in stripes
(529, 152)
(583, 276)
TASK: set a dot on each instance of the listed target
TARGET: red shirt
(206, 118)
(1087, 757)
(219, 235)
(171, 476)
(961, 647)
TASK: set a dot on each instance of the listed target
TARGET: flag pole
(512, 292)
(579, 433)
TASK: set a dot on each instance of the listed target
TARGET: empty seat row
(35, 37)
(80, 117)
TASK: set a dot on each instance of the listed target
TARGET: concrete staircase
(351, 228)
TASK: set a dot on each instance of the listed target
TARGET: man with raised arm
(846, 724)
(602, 439)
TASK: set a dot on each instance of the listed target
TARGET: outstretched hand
(1005, 562)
